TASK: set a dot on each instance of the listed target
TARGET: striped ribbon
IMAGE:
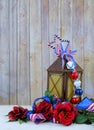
(60, 51)
(91, 107)
(56, 37)
(37, 118)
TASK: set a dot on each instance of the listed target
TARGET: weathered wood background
(26, 26)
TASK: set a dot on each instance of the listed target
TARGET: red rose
(44, 108)
(18, 112)
(64, 113)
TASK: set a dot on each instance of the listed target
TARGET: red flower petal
(65, 113)
(44, 108)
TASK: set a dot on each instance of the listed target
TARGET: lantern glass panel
(55, 84)
(70, 89)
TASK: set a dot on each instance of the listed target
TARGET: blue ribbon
(84, 104)
(67, 46)
(65, 54)
(61, 46)
(72, 58)
(29, 113)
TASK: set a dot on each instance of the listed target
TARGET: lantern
(64, 75)
(59, 81)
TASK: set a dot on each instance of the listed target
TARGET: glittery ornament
(79, 92)
(75, 99)
(74, 75)
(70, 65)
(77, 83)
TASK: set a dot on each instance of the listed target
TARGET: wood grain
(26, 27)
(88, 47)
(13, 51)
(35, 49)
(45, 54)
(77, 29)
(23, 53)
(66, 19)
(54, 23)
(4, 52)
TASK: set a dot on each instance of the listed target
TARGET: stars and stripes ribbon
(37, 118)
(91, 107)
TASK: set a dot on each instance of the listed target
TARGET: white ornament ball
(77, 84)
(70, 65)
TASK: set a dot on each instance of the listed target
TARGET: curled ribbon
(37, 118)
(66, 54)
(59, 50)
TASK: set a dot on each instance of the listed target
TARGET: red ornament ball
(75, 99)
(74, 75)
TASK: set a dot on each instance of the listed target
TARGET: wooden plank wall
(26, 26)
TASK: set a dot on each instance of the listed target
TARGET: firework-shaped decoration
(65, 53)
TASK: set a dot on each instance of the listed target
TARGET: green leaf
(52, 98)
(83, 112)
(25, 119)
(11, 121)
(92, 99)
(81, 119)
(47, 93)
(6, 115)
(20, 121)
(91, 119)
(91, 114)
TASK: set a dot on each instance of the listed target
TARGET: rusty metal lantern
(59, 81)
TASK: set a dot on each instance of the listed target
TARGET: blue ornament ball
(78, 91)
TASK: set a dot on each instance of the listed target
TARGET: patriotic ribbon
(59, 50)
(37, 118)
(56, 37)
(86, 104)
(65, 54)
(91, 107)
